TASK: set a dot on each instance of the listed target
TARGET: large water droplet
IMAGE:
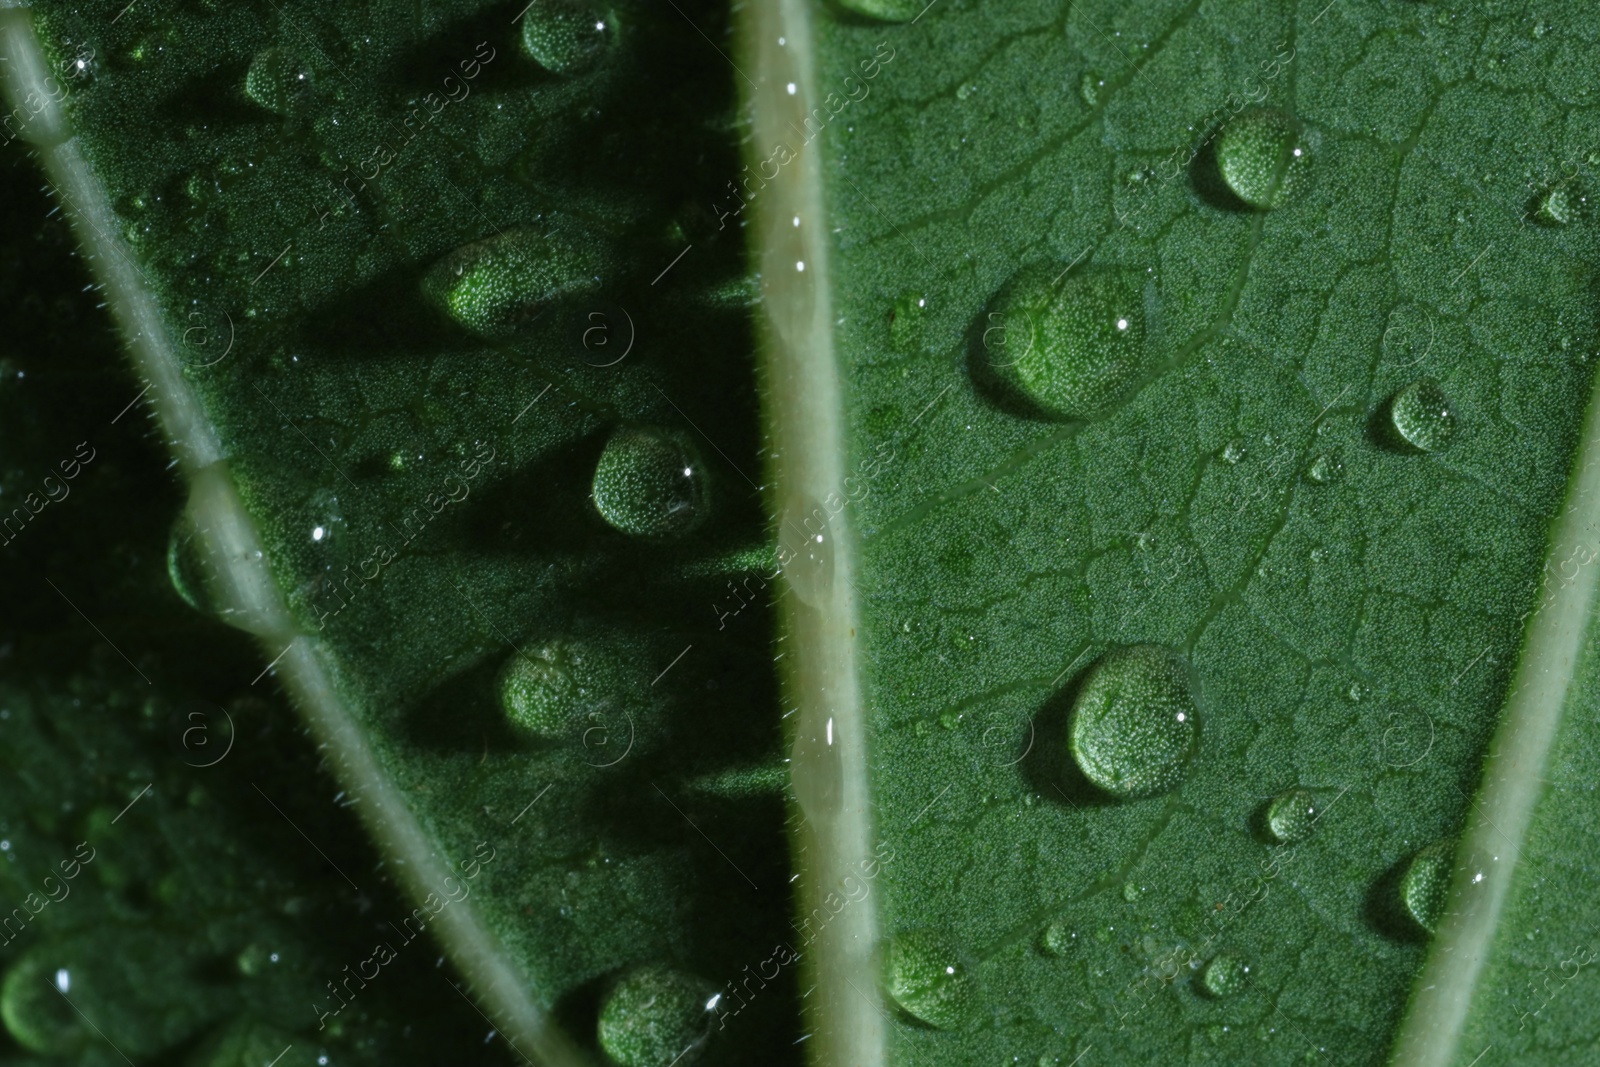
(805, 549)
(496, 286)
(566, 36)
(1291, 817)
(656, 1017)
(1263, 158)
(1134, 722)
(651, 483)
(1422, 415)
(278, 81)
(925, 977)
(1426, 884)
(1070, 345)
(1224, 976)
(553, 691)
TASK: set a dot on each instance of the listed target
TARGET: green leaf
(1173, 422)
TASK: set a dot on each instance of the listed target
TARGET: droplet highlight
(925, 977)
(1069, 346)
(1134, 723)
(651, 483)
(656, 1017)
(1422, 415)
(1263, 158)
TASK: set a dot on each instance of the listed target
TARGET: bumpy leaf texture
(855, 532)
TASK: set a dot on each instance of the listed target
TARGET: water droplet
(906, 321)
(1130, 892)
(1324, 469)
(1089, 87)
(1233, 452)
(278, 81)
(1422, 415)
(966, 90)
(1224, 976)
(656, 1017)
(566, 36)
(550, 691)
(885, 10)
(651, 483)
(186, 564)
(1426, 883)
(254, 958)
(496, 286)
(1057, 939)
(1134, 722)
(1071, 346)
(36, 1015)
(925, 977)
(1291, 817)
(1561, 205)
(805, 549)
(1263, 158)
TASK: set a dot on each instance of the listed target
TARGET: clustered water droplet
(1134, 722)
(924, 975)
(1069, 344)
(1263, 158)
(656, 1017)
(650, 483)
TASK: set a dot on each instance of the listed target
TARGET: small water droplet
(656, 1017)
(1089, 87)
(278, 81)
(925, 976)
(1426, 884)
(1422, 415)
(1233, 452)
(566, 36)
(1292, 816)
(187, 565)
(966, 90)
(1069, 345)
(1134, 722)
(1324, 469)
(1263, 158)
(651, 483)
(906, 320)
(1560, 205)
(1224, 976)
